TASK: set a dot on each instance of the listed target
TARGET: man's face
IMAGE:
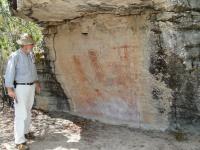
(28, 48)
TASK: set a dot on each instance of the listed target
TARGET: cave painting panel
(103, 82)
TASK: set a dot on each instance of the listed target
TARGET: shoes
(22, 146)
(29, 136)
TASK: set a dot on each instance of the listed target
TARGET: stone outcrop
(124, 62)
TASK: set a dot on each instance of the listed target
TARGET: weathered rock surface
(125, 62)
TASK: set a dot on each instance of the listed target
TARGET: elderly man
(21, 81)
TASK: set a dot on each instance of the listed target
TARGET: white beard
(29, 51)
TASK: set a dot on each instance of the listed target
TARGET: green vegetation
(10, 29)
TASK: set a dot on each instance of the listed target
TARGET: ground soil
(62, 131)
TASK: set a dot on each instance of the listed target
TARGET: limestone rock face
(134, 62)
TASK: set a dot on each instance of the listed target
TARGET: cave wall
(103, 68)
(124, 62)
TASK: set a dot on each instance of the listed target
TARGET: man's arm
(37, 86)
(10, 76)
(37, 82)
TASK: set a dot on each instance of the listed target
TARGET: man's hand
(37, 87)
(12, 94)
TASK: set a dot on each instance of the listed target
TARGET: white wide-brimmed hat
(25, 39)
